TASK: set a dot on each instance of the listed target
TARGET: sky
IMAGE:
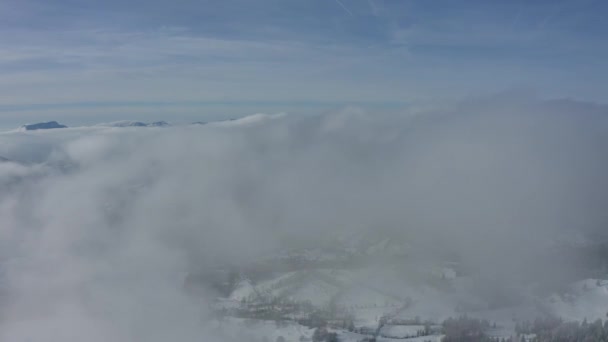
(88, 61)
(478, 127)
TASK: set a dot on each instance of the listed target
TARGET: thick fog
(100, 226)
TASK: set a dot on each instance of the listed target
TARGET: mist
(101, 226)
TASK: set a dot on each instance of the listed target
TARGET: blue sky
(83, 61)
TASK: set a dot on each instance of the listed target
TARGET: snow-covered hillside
(400, 295)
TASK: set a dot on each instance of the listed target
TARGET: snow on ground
(238, 329)
(401, 331)
(429, 304)
(358, 291)
(400, 298)
(360, 296)
(433, 338)
(251, 330)
(345, 336)
(506, 318)
(317, 286)
(317, 292)
(245, 289)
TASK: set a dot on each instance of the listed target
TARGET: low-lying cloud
(100, 226)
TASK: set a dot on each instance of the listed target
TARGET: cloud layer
(101, 225)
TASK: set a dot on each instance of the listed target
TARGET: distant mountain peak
(128, 123)
(42, 125)
(159, 124)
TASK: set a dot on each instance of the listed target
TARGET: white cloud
(100, 225)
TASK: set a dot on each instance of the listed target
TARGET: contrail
(345, 8)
